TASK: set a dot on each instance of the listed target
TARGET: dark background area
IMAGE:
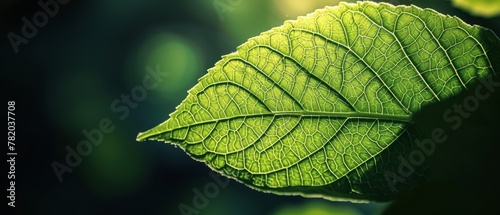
(66, 78)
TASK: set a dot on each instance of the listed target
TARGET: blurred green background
(91, 53)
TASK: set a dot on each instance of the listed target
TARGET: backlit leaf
(322, 106)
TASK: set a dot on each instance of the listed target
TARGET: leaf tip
(141, 136)
(149, 134)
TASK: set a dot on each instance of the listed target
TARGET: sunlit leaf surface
(322, 106)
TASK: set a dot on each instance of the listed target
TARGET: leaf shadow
(461, 172)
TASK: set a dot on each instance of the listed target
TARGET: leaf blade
(321, 105)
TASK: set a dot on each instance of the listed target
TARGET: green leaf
(484, 8)
(316, 208)
(322, 106)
